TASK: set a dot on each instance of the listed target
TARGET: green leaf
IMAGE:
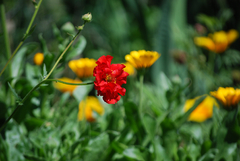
(43, 43)
(57, 33)
(133, 153)
(78, 48)
(44, 70)
(69, 28)
(14, 92)
(4, 149)
(33, 123)
(18, 62)
(35, 158)
(96, 148)
(150, 126)
(159, 151)
(32, 74)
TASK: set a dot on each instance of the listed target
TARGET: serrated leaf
(44, 70)
(14, 92)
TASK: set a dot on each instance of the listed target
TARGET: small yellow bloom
(83, 67)
(86, 108)
(217, 42)
(129, 68)
(38, 58)
(65, 87)
(204, 110)
(228, 96)
(142, 59)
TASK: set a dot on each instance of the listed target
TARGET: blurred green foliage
(47, 128)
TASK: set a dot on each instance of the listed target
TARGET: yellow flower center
(110, 79)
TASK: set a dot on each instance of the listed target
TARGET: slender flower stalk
(24, 37)
(46, 80)
(141, 79)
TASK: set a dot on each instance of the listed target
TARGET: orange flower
(228, 96)
(203, 111)
(65, 87)
(86, 108)
(38, 58)
(217, 42)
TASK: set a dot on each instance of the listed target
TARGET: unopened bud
(87, 17)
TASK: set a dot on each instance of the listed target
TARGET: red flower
(109, 79)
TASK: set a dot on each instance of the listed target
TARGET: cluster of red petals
(109, 79)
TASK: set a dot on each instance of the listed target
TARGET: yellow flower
(228, 96)
(86, 108)
(83, 67)
(65, 87)
(142, 58)
(129, 68)
(203, 111)
(38, 58)
(217, 42)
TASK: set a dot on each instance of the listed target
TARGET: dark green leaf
(33, 158)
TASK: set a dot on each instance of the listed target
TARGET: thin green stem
(30, 92)
(24, 37)
(7, 45)
(60, 57)
(141, 95)
(5, 33)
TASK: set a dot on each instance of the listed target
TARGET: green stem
(33, 89)
(7, 45)
(141, 95)
(60, 57)
(24, 37)
(5, 33)
(212, 62)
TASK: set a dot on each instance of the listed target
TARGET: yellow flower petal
(232, 35)
(205, 42)
(217, 42)
(228, 96)
(142, 58)
(204, 110)
(83, 67)
(38, 58)
(65, 87)
(129, 68)
(86, 108)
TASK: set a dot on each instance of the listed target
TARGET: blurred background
(118, 27)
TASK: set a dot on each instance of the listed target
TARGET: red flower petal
(109, 79)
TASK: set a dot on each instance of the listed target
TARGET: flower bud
(87, 17)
